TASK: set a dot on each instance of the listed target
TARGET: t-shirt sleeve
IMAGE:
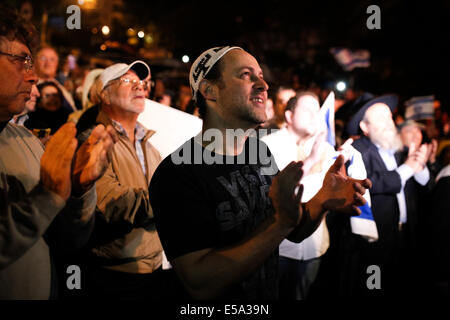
(184, 219)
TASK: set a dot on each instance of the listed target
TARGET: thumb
(338, 166)
(96, 134)
(347, 143)
(412, 148)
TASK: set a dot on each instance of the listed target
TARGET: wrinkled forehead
(129, 74)
(14, 46)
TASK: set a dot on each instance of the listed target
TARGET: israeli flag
(351, 59)
(418, 108)
(364, 224)
(327, 113)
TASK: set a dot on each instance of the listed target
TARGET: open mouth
(258, 100)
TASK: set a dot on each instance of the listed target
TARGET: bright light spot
(185, 59)
(103, 47)
(341, 86)
(105, 30)
(80, 2)
(141, 34)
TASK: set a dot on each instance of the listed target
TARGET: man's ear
(104, 96)
(364, 127)
(208, 90)
(288, 116)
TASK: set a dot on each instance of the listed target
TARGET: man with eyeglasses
(47, 199)
(126, 253)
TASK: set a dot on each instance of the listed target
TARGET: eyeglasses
(135, 83)
(45, 59)
(27, 59)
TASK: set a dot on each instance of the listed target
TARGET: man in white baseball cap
(221, 222)
(140, 68)
(127, 253)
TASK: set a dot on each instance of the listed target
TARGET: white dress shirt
(405, 173)
(284, 148)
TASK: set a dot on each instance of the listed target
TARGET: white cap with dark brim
(119, 69)
(203, 64)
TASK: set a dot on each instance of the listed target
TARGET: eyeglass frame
(146, 84)
(28, 62)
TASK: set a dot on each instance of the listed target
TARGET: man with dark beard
(397, 179)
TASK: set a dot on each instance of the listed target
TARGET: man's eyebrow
(23, 53)
(250, 68)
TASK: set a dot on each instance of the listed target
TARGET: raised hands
(346, 149)
(286, 193)
(340, 192)
(418, 157)
(91, 159)
(88, 163)
(56, 161)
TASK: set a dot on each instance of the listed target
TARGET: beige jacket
(123, 201)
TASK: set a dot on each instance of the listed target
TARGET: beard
(387, 139)
(252, 116)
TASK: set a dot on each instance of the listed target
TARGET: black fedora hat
(367, 100)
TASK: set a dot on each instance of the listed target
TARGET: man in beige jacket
(126, 251)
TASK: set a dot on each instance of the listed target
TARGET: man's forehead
(237, 59)
(378, 109)
(48, 52)
(308, 101)
(14, 47)
(129, 74)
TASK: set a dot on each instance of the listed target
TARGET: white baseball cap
(119, 69)
(203, 64)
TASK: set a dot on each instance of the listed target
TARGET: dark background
(408, 55)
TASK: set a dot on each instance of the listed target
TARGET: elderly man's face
(47, 63)
(126, 95)
(380, 127)
(15, 80)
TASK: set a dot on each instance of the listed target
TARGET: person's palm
(91, 159)
(342, 193)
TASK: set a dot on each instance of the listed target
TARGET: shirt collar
(139, 131)
(389, 151)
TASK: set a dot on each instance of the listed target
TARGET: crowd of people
(81, 184)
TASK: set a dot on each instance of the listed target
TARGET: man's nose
(261, 84)
(30, 76)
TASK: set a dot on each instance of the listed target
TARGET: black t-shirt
(199, 206)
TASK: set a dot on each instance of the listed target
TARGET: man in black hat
(397, 178)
